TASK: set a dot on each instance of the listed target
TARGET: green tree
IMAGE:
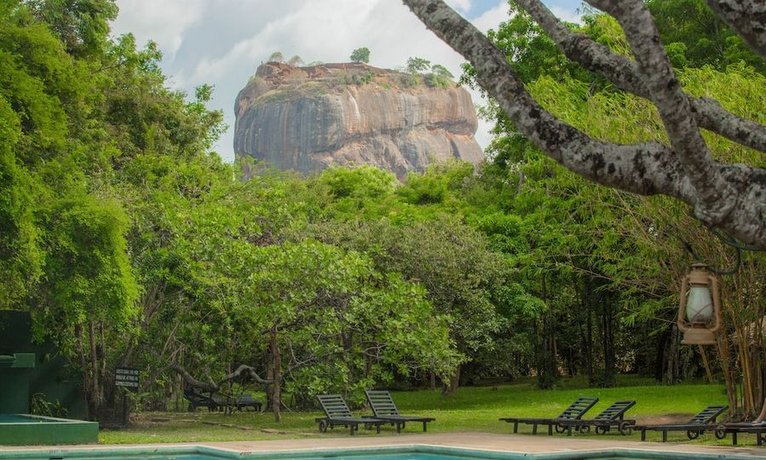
(441, 71)
(81, 25)
(417, 65)
(696, 36)
(361, 55)
(276, 56)
(88, 299)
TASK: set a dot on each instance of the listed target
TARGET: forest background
(132, 244)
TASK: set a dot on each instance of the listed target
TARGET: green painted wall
(47, 431)
(46, 372)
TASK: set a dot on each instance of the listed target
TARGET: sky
(222, 42)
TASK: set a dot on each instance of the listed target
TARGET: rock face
(309, 118)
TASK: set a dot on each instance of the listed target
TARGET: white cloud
(326, 31)
(566, 14)
(222, 42)
(491, 18)
(164, 22)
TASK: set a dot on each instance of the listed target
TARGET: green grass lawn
(471, 409)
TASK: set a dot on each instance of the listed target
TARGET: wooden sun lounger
(759, 429)
(697, 425)
(337, 413)
(612, 416)
(197, 399)
(383, 408)
(574, 412)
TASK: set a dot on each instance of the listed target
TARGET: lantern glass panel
(699, 305)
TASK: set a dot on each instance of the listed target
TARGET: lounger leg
(664, 435)
(550, 430)
(424, 426)
(398, 427)
(643, 435)
(534, 428)
(569, 430)
(515, 427)
(378, 428)
(733, 438)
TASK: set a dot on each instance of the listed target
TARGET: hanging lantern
(699, 309)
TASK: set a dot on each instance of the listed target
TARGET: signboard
(126, 377)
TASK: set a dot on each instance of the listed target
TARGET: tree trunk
(728, 375)
(762, 415)
(659, 360)
(608, 344)
(671, 371)
(454, 383)
(276, 369)
(706, 363)
(86, 380)
(95, 390)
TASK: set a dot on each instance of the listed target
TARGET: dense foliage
(629, 251)
(132, 244)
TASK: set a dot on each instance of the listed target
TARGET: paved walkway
(518, 443)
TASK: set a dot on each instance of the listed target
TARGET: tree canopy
(361, 55)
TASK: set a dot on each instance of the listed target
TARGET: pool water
(396, 453)
(398, 456)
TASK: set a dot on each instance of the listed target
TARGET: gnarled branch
(624, 74)
(730, 197)
(213, 387)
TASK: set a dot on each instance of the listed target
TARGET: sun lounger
(574, 412)
(245, 400)
(612, 416)
(197, 399)
(758, 429)
(219, 401)
(337, 413)
(383, 408)
(697, 425)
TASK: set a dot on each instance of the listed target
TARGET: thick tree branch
(747, 18)
(615, 165)
(246, 370)
(624, 74)
(674, 108)
(731, 197)
(216, 387)
(191, 381)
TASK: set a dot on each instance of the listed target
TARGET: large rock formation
(308, 118)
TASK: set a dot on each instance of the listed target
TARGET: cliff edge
(309, 118)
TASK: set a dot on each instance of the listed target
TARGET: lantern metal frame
(700, 333)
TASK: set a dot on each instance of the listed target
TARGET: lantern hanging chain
(729, 241)
(738, 254)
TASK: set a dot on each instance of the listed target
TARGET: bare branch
(623, 73)
(747, 18)
(246, 370)
(213, 387)
(191, 381)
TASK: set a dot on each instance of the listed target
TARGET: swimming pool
(416, 452)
